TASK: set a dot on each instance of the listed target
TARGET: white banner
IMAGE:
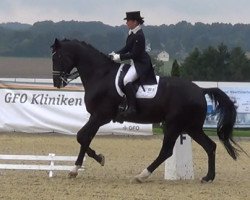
(39, 108)
(239, 93)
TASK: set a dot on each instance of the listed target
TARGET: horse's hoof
(72, 174)
(138, 179)
(141, 178)
(206, 180)
(102, 162)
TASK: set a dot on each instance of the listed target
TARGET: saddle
(142, 91)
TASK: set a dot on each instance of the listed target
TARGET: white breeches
(130, 76)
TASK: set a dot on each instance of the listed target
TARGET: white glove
(112, 53)
(116, 57)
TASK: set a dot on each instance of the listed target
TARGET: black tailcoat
(135, 50)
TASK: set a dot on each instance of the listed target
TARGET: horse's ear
(56, 45)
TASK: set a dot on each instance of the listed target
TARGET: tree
(217, 64)
(175, 69)
(177, 39)
(239, 65)
(190, 67)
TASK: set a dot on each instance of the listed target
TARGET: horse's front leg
(84, 137)
(92, 154)
(99, 158)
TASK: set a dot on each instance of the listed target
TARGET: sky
(112, 12)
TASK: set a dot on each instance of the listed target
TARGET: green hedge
(212, 132)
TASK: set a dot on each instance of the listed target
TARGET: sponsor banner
(240, 94)
(42, 108)
(39, 107)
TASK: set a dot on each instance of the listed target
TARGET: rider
(141, 66)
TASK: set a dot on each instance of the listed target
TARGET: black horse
(179, 104)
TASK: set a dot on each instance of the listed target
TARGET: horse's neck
(93, 66)
(95, 73)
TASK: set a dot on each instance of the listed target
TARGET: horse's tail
(227, 116)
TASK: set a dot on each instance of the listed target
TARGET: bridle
(66, 78)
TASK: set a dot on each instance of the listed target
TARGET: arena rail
(51, 158)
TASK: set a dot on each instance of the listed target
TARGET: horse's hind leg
(99, 158)
(170, 136)
(210, 147)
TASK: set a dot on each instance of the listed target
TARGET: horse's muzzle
(59, 80)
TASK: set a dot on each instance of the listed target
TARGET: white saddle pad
(150, 90)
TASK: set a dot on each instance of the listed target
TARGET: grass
(236, 132)
(212, 132)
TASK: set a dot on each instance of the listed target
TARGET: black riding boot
(131, 99)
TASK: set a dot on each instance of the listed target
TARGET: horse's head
(63, 63)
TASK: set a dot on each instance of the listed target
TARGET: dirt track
(125, 157)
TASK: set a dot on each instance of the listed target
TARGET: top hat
(135, 15)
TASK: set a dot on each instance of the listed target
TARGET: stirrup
(128, 112)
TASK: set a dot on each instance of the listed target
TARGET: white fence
(26, 159)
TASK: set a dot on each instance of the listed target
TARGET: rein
(64, 77)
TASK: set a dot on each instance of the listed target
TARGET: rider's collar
(134, 30)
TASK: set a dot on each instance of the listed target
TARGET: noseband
(65, 76)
